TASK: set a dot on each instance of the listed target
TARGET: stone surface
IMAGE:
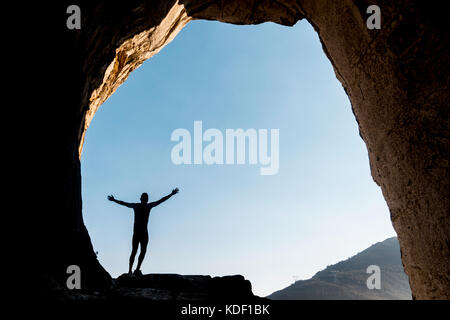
(164, 287)
(182, 287)
(396, 79)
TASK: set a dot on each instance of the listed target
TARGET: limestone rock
(396, 79)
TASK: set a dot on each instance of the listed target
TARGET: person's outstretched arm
(174, 191)
(122, 203)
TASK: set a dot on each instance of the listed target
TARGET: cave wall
(396, 79)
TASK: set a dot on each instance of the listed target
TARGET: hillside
(347, 279)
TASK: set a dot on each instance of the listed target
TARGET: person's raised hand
(175, 191)
(111, 198)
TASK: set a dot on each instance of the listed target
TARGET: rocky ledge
(167, 287)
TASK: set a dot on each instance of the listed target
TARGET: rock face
(396, 79)
(165, 287)
(178, 287)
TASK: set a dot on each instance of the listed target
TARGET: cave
(395, 77)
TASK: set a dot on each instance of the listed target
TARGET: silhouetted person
(140, 233)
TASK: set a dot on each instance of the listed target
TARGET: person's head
(144, 197)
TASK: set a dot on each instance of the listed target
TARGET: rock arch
(396, 79)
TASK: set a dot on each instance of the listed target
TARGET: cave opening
(321, 207)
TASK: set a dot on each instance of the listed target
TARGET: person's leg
(135, 244)
(144, 243)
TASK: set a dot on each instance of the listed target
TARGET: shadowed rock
(164, 287)
(182, 287)
(396, 79)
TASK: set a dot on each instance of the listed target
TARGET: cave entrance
(321, 207)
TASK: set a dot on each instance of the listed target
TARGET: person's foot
(130, 273)
(137, 272)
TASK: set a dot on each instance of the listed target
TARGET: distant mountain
(347, 279)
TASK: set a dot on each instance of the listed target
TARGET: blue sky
(321, 207)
